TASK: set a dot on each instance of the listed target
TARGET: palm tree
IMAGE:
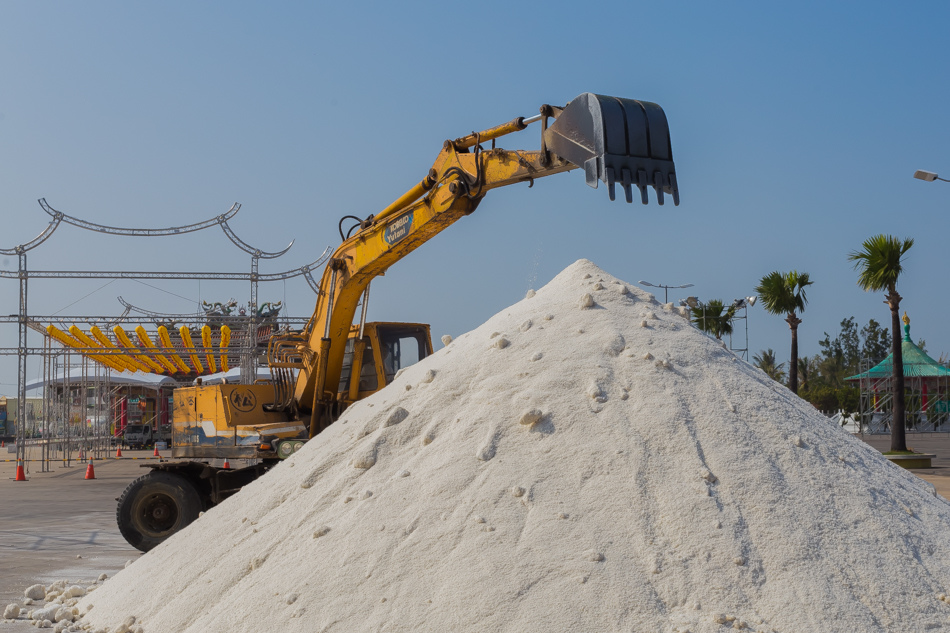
(879, 267)
(784, 293)
(710, 318)
(765, 360)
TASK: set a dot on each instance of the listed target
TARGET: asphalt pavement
(58, 525)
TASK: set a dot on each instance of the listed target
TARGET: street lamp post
(666, 289)
(928, 176)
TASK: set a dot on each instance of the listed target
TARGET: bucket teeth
(627, 189)
(608, 136)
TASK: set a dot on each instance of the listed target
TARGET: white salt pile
(584, 461)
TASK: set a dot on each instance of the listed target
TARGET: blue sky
(795, 130)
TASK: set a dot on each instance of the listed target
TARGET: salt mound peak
(607, 468)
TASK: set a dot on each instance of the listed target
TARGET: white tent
(136, 379)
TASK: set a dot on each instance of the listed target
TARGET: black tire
(154, 507)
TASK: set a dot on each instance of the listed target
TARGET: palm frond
(880, 261)
(783, 293)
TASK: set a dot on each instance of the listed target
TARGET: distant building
(8, 413)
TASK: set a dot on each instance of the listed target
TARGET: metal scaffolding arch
(22, 274)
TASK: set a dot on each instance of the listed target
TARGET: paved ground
(49, 521)
(935, 443)
(52, 518)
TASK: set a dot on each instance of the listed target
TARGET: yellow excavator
(333, 362)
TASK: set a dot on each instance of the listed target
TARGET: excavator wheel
(154, 507)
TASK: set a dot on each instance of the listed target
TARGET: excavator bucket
(618, 141)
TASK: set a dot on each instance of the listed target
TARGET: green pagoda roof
(917, 364)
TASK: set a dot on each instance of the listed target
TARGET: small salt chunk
(797, 441)
(78, 556)
(502, 343)
(739, 560)
(488, 528)
(622, 290)
(366, 494)
(63, 614)
(644, 323)
(524, 327)
(35, 592)
(652, 316)
(529, 294)
(586, 301)
(562, 515)
(408, 387)
(28, 601)
(532, 416)
(596, 393)
(292, 598)
(446, 339)
(321, 531)
(598, 286)
(668, 306)
(548, 317)
(708, 476)
(517, 491)
(719, 618)
(404, 473)
(537, 356)
(615, 345)
(594, 556)
(648, 356)
(586, 276)
(13, 611)
(494, 335)
(480, 519)
(427, 438)
(429, 376)
(624, 395)
(347, 499)
(398, 415)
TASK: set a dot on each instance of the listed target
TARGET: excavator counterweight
(617, 141)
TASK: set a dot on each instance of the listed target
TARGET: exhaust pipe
(617, 141)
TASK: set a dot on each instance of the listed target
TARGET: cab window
(401, 347)
(368, 379)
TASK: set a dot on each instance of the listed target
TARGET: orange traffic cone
(118, 451)
(155, 452)
(227, 464)
(90, 471)
(20, 475)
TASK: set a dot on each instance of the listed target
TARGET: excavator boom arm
(617, 141)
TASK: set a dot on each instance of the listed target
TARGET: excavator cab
(386, 348)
